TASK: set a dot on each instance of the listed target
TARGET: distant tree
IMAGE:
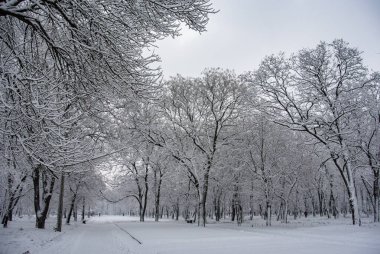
(367, 141)
(316, 92)
(199, 113)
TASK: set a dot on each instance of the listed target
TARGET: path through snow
(92, 239)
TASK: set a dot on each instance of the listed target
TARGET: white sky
(244, 31)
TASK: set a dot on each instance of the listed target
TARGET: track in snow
(124, 230)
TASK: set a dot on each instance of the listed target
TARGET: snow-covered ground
(118, 234)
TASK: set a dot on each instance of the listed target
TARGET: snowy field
(117, 234)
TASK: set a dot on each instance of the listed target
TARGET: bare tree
(60, 58)
(314, 92)
(367, 139)
(200, 111)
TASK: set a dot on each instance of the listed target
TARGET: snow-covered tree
(199, 113)
(316, 92)
(61, 60)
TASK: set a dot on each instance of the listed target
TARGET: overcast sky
(244, 31)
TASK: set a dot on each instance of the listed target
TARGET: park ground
(123, 234)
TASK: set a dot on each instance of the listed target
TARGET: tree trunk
(251, 207)
(14, 197)
(352, 191)
(75, 212)
(141, 209)
(217, 207)
(47, 191)
(320, 202)
(239, 214)
(353, 205)
(269, 215)
(177, 210)
(233, 211)
(345, 170)
(286, 212)
(60, 203)
(71, 208)
(83, 209)
(313, 204)
(376, 197)
(145, 202)
(203, 200)
(157, 196)
(4, 221)
(10, 212)
(198, 210)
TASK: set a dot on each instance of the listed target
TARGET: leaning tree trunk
(353, 204)
(346, 172)
(71, 208)
(351, 190)
(14, 197)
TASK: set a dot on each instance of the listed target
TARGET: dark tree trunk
(158, 183)
(177, 210)
(233, 210)
(5, 221)
(251, 207)
(313, 204)
(14, 197)
(145, 202)
(217, 206)
(71, 208)
(75, 213)
(47, 191)
(83, 209)
(269, 214)
(320, 201)
(203, 200)
(60, 203)
(10, 214)
(376, 217)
